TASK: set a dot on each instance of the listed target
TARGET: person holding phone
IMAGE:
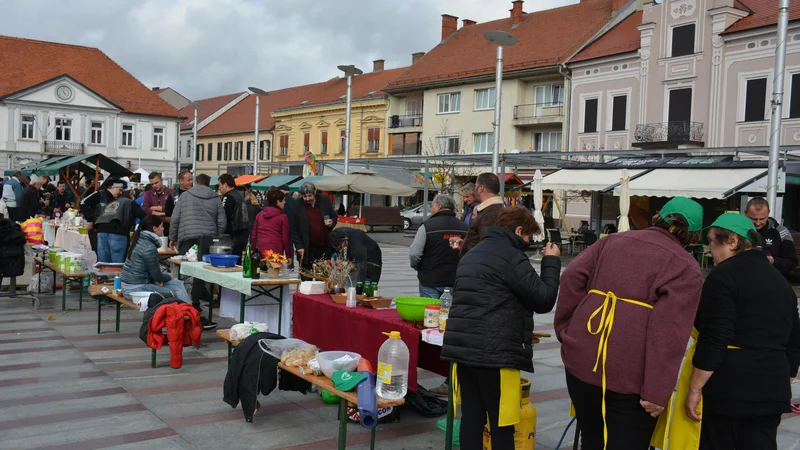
(312, 221)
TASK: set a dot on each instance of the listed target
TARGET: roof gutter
(469, 80)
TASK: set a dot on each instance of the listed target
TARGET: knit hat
(736, 223)
(686, 207)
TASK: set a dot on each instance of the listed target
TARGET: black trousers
(630, 427)
(198, 286)
(480, 395)
(720, 432)
(93, 239)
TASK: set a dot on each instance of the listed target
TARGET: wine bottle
(247, 263)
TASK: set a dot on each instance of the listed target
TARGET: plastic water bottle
(445, 302)
(392, 379)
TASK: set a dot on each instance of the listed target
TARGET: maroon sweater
(646, 346)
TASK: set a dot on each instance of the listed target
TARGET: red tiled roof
(332, 90)
(241, 118)
(623, 38)
(27, 62)
(210, 106)
(546, 38)
(764, 13)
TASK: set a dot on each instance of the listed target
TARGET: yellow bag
(34, 234)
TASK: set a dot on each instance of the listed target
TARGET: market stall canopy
(275, 180)
(715, 183)
(214, 181)
(312, 179)
(143, 174)
(52, 166)
(248, 179)
(365, 182)
(585, 179)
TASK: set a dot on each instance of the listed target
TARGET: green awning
(275, 180)
(52, 166)
(214, 181)
(295, 187)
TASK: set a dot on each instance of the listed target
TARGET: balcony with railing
(62, 148)
(539, 113)
(406, 123)
(669, 134)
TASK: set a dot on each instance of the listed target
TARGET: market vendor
(356, 246)
(748, 344)
(647, 287)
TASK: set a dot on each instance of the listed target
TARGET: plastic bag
(46, 278)
(240, 331)
(292, 352)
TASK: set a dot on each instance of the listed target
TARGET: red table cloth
(330, 326)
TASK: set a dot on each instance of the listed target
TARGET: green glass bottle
(247, 263)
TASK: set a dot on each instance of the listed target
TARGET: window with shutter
(373, 140)
(306, 141)
(284, 145)
(324, 142)
(249, 149)
(261, 145)
(755, 100)
(210, 152)
(199, 153)
(341, 141)
(219, 151)
(590, 116)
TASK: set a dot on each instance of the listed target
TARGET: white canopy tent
(585, 179)
(718, 183)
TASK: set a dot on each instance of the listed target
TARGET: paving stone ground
(63, 386)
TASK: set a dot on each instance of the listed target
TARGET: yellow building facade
(232, 153)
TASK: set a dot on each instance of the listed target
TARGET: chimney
(377, 65)
(416, 57)
(467, 22)
(155, 88)
(516, 12)
(449, 25)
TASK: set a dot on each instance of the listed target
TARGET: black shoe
(206, 324)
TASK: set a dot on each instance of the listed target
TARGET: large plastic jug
(392, 379)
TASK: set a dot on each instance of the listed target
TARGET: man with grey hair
(470, 202)
(29, 202)
(312, 220)
(431, 254)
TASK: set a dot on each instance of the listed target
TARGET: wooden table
(65, 277)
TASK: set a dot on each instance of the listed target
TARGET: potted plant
(273, 262)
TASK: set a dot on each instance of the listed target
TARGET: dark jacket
(143, 266)
(496, 292)
(430, 253)
(198, 213)
(299, 220)
(235, 212)
(365, 253)
(252, 371)
(29, 204)
(778, 243)
(12, 249)
(90, 207)
(747, 304)
(486, 218)
(271, 232)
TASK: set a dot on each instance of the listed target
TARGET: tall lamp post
(194, 139)
(349, 72)
(501, 39)
(259, 93)
(777, 105)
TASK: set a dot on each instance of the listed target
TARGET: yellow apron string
(455, 387)
(606, 313)
(510, 397)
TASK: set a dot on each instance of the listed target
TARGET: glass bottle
(247, 264)
(255, 262)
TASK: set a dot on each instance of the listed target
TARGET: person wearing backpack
(237, 219)
(113, 215)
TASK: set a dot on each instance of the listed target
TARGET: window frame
(323, 142)
(373, 145)
(199, 154)
(219, 151)
(670, 43)
(584, 99)
(790, 90)
(745, 102)
(449, 102)
(612, 96)
(27, 125)
(342, 141)
(741, 94)
(158, 138)
(490, 105)
(283, 149)
(64, 125)
(306, 141)
(130, 133)
(448, 138)
(489, 136)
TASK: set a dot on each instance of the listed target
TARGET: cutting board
(223, 269)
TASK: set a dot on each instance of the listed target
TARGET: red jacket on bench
(180, 332)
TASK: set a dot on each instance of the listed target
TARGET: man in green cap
(624, 315)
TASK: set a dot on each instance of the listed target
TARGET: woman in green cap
(624, 315)
(748, 348)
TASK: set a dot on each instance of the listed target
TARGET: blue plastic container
(223, 260)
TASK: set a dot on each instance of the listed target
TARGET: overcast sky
(205, 48)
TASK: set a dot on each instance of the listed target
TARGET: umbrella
(624, 201)
(365, 182)
(537, 203)
(247, 179)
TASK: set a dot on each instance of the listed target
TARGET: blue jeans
(171, 287)
(430, 292)
(111, 248)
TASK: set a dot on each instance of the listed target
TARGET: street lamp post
(501, 39)
(259, 93)
(194, 139)
(349, 71)
(777, 105)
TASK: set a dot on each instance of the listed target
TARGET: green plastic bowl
(412, 309)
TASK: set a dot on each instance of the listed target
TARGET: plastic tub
(328, 366)
(221, 260)
(141, 298)
(412, 309)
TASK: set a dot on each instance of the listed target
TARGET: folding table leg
(211, 305)
(119, 309)
(342, 424)
(241, 308)
(63, 293)
(80, 298)
(280, 309)
(99, 312)
(372, 439)
(153, 359)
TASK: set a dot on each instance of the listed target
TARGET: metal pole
(425, 190)
(498, 90)
(777, 105)
(347, 125)
(255, 155)
(503, 180)
(194, 144)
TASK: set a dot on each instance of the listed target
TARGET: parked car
(412, 216)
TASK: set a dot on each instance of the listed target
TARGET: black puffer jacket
(495, 295)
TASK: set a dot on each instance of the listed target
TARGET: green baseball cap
(736, 223)
(347, 381)
(686, 207)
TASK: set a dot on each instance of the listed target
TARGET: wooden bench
(96, 291)
(65, 277)
(379, 216)
(349, 398)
